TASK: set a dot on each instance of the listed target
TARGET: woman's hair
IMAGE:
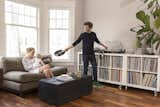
(29, 49)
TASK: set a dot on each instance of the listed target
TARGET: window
(21, 27)
(59, 29)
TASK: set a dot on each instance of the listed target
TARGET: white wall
(2, 30)
(113, 19)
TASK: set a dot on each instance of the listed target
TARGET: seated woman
(35, 65)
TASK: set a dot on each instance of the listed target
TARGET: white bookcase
(129, 70)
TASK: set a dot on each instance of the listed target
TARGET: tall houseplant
(149, 30)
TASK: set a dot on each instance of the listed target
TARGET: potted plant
(149, 30)
(139, 49)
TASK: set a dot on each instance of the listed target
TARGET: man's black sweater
(88, 40)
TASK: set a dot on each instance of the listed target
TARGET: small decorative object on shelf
(129, 70)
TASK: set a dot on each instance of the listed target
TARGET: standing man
(88, 38)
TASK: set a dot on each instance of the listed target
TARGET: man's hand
(104, 45)
(67, 49)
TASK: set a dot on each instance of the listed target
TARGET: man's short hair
(88, 23)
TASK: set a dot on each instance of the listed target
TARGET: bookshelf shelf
(129, 70)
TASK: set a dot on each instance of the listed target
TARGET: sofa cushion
(58, 70)
(22, 77)
(12, 64)
(19, 87)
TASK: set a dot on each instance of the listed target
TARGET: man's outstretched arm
(97, 40)
(74, 44)
(68, 48)
(103, 45)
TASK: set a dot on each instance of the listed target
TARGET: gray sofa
(17, 80)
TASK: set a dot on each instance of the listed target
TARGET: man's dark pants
(92, 60)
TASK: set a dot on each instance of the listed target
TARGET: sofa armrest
(1, 77)
(58, 70)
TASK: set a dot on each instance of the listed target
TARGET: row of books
(133, 78)
(104, 74)
(104, 61)
(116, 75)
(117, 61)
(150, 65)
(149, 80)
(134, 63)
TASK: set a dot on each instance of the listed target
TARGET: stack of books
(149, 80)
(133, 78)
(116, 75)
(117, 62)
(134, 63)
(104, 74)
(150, 65)
(104, 61)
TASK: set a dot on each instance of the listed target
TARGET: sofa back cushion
(12, 64)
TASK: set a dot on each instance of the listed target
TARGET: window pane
(23, 38)
(8, 6)
(33, 11)
(65, 23)
(52, 23)
(21, 27)
(65, 14)
(58, 40)
(27, 10)
(52, 14)
(59, 34)
(33, 21)
(59, 14)
(8, 17)
(20, 14)
(15, 8)
(21, 9)
(21, 19)
(59, 23)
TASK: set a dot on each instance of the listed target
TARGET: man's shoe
(96, 84)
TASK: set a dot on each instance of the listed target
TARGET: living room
(79, 53)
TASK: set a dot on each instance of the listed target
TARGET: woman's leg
(46, 70)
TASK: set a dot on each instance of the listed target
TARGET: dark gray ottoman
(57, 92)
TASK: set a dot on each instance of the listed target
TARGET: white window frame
(71, 53)
(37, 28)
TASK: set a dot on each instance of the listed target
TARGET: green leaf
(156, 38)
(150, 4)
(157, 45)
(144, 18)
(146, 1)
(149, 39)
(143, 30)
(156, 13)
(157, 23)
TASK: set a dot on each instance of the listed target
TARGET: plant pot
(150, 51)
(139, 51)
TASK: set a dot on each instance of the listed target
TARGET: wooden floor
(107, 96)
